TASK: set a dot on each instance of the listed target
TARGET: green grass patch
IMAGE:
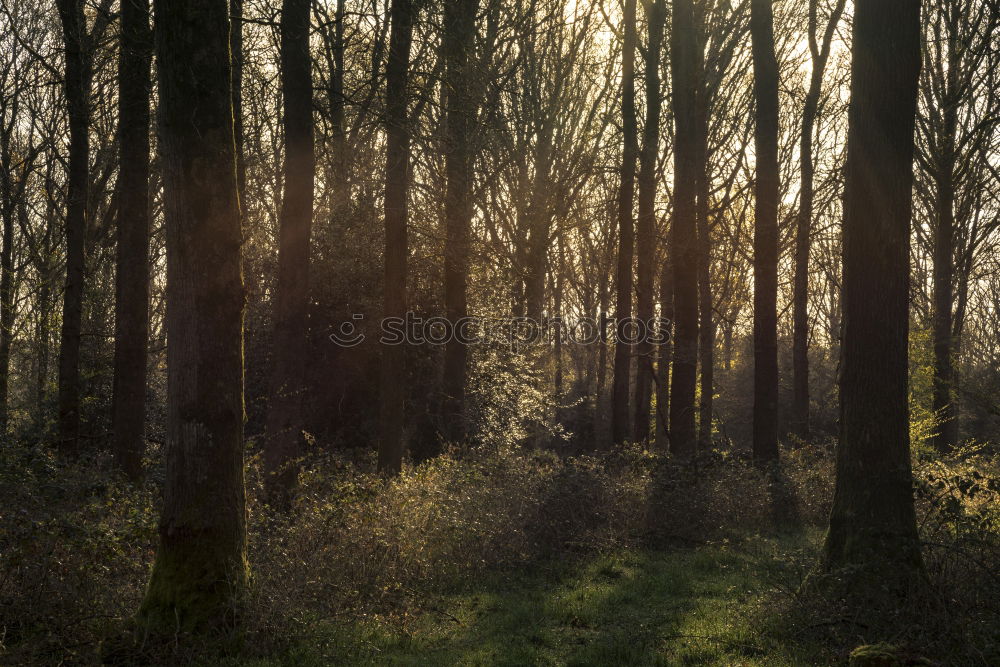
(686, 607)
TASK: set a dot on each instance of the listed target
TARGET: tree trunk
(77, 85)
(656, 14)
(6, 311)
(664, 353)
(128, 407)
(683, 65)
(459, 38)
(604, 298)
(765, 242)
(200, 574)
(291, 308)
(236, 49)
(819, 54)
(537, 221)
(622, 381)
(706, 326)
(7, 206)
(943, 400)
(872, 524)
(390, 452)
(340, 190)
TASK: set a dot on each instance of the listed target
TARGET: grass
(697, 606)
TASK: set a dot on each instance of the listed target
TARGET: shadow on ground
(683, 607)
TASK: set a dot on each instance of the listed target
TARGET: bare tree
(684, 251)
(460, 86)
(819, 52)
(77, 82)
(390, 452)
(656, 14)
(622, 380)
(291, 307)
(765, 244)
(128, 405)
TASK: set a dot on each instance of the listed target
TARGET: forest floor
(685, 606)
(521, 559)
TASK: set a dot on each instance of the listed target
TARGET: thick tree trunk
(872, 524)
(459, 38)
(77, 85)
(765, 242)
(683, 65)
(391, 388)
(128, 407)
(200, 574)
(621, 382)
(656, 13)
(289, 357)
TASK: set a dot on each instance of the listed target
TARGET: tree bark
(128, 406)
(656, 14)
(200, 575)
(390, 452)
(77, 84)
(291, 307)
(459, 40)
(621, 382)
(684, 58)
(873, 524)
(765, 242)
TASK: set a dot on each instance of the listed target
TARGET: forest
(500, 332)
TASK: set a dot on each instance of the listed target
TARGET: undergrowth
(357, 552)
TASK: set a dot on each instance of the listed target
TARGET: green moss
(196, 585)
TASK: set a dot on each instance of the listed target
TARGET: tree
(200, 573)
(819, 52)
(460, 109)
(765, 240)
(128, 404)
(397, 151)
(873, 524)
(77, 82)
(683, 66)
(706, 327)
(956, 129)
(663, 358)
(656, 14)
(291, 303)
(18, 156)
(621, 382)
